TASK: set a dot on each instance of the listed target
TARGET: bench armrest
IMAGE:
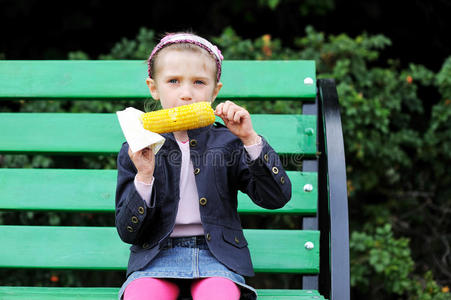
(333, 209)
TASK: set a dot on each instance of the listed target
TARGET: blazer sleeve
(264, 179)
(132, 214)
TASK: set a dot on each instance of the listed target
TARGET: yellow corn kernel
(186, 117)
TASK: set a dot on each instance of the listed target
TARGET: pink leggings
(217, 288)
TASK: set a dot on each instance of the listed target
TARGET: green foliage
(437, 141)
(427, 289)
(78, 55)
(138, 48)
(135, 49)
(396, 153)
(381, 265)
(380, 262)
(270, 3)
(371, 99)
(444, 79)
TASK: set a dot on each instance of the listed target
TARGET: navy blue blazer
(221, 167)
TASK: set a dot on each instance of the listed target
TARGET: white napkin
(134, 132)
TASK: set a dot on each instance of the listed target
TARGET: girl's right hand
(144, 161)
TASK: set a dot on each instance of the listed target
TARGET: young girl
(179, 208)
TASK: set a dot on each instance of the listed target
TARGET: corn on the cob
(184, 117)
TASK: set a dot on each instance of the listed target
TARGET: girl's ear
(153, 88)
(216, 91)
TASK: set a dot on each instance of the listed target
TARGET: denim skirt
(188, 258)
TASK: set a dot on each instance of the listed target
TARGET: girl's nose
(186, 93)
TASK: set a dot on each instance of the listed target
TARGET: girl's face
(183, 77)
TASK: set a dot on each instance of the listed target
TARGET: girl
(179, 208)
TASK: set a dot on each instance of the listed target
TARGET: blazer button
(266, 157)
(208, 236)
(203, 201)
(282, 180)
(135, 220)
(275, 170)
(196, 171)
(141, 210)
(193, 143)
(237, 240)
(145, 245)
(130, 229)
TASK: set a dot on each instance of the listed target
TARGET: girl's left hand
(238, 120)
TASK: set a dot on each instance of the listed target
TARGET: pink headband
(180, 38)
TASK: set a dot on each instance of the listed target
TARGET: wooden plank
(301, 203)
(94, 191)
(101, 134)
(58, 293)
(280, 294)
(58, 190)
(125, 79)
(100, 248)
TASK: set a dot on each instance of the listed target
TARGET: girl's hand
(144, 161)
(238, 120)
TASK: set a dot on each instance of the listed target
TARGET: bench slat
(56, 293)
(126, 79)
(100, 248)
(93, 191)
(101, 133)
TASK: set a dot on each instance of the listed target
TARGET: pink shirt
(187, 221)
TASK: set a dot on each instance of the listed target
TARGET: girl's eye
(172, 81)
(199, 82)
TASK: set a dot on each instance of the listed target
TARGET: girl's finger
(226, 107)
(149, 153)
(146, 151)
(231, 112)
(131, 154)
(218, 110)
(239, 115)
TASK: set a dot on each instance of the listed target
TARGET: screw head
(309, 245)
(308, 81)
(308, 188)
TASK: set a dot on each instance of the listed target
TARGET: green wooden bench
(317, 250)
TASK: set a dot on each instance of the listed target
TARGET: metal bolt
(308, 81)
(308, 188)
(309, 245)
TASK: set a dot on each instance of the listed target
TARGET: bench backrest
(293, 136)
